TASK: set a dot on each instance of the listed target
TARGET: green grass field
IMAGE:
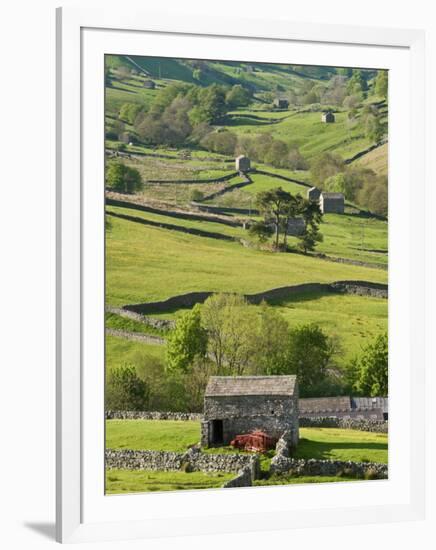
(134, 481)
(353, 319)
(212, 227)
(311, 135)
(356, 238)
(153, 435)
(291, 480)
(339, 444)
(145, 264)
(173, 435)
(120, 351)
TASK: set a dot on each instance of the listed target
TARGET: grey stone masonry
(242, 163)
(243, 479)
(151, 415)
(364, 424)
(312, 467)
(194, 459)
(235, 405)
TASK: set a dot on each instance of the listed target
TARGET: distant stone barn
(296, 227)
(149, 84)
(313, 194)
(242, 163)
(281, 103)
(328, 117)
(235, 405)
(332, 203)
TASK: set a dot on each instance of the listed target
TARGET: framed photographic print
(240, 257)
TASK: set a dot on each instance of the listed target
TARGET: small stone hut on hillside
(332, 203)
(328, 117)
(242, 163)
(313, 194)
(149, 84)
(235, 405)
(281, 103)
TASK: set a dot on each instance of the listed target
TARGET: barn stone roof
(251, 385)
(324, 404)
(332, 195)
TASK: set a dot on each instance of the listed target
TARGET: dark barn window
(217, 431)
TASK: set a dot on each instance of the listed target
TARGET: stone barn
(236, 405)
(280, 103)
(313, 194)
(296, 227)
(332, 203)
(149, 84)
(242, 163)
(328, 117)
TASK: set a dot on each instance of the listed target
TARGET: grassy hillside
(377, 160)
(146, 264)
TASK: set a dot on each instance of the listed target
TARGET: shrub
(122, 178)
(125, 390)
(197, 195)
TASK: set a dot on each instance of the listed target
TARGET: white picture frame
(83, 513)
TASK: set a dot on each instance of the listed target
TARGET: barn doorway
(217, 432)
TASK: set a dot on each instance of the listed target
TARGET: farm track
(136, 336)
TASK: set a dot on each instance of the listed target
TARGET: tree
(381, 84)
(310, 352)
(129, 112)
(231, 328)
(261, 230)
(237, 96)
(122, 178)
(271, 349)
(373, 128)
(312, 216)
(211, 106)
(197, 195)
(296, 161)
(186, 342)
(357, 83)
(324, 166)
(125, 391)
(372, 368)
(336, 183)
(272, 203)
(277, 153)
(220, 142)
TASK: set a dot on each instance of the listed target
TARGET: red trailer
(254, 441)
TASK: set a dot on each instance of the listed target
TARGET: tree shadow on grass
(323, 449)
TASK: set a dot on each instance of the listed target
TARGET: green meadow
(144, 481)
(145, 264)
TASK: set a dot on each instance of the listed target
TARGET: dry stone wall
(243, 479)
(151, 415)
(312, 467)
(365, 425)
(193, 460)
(360, 288)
